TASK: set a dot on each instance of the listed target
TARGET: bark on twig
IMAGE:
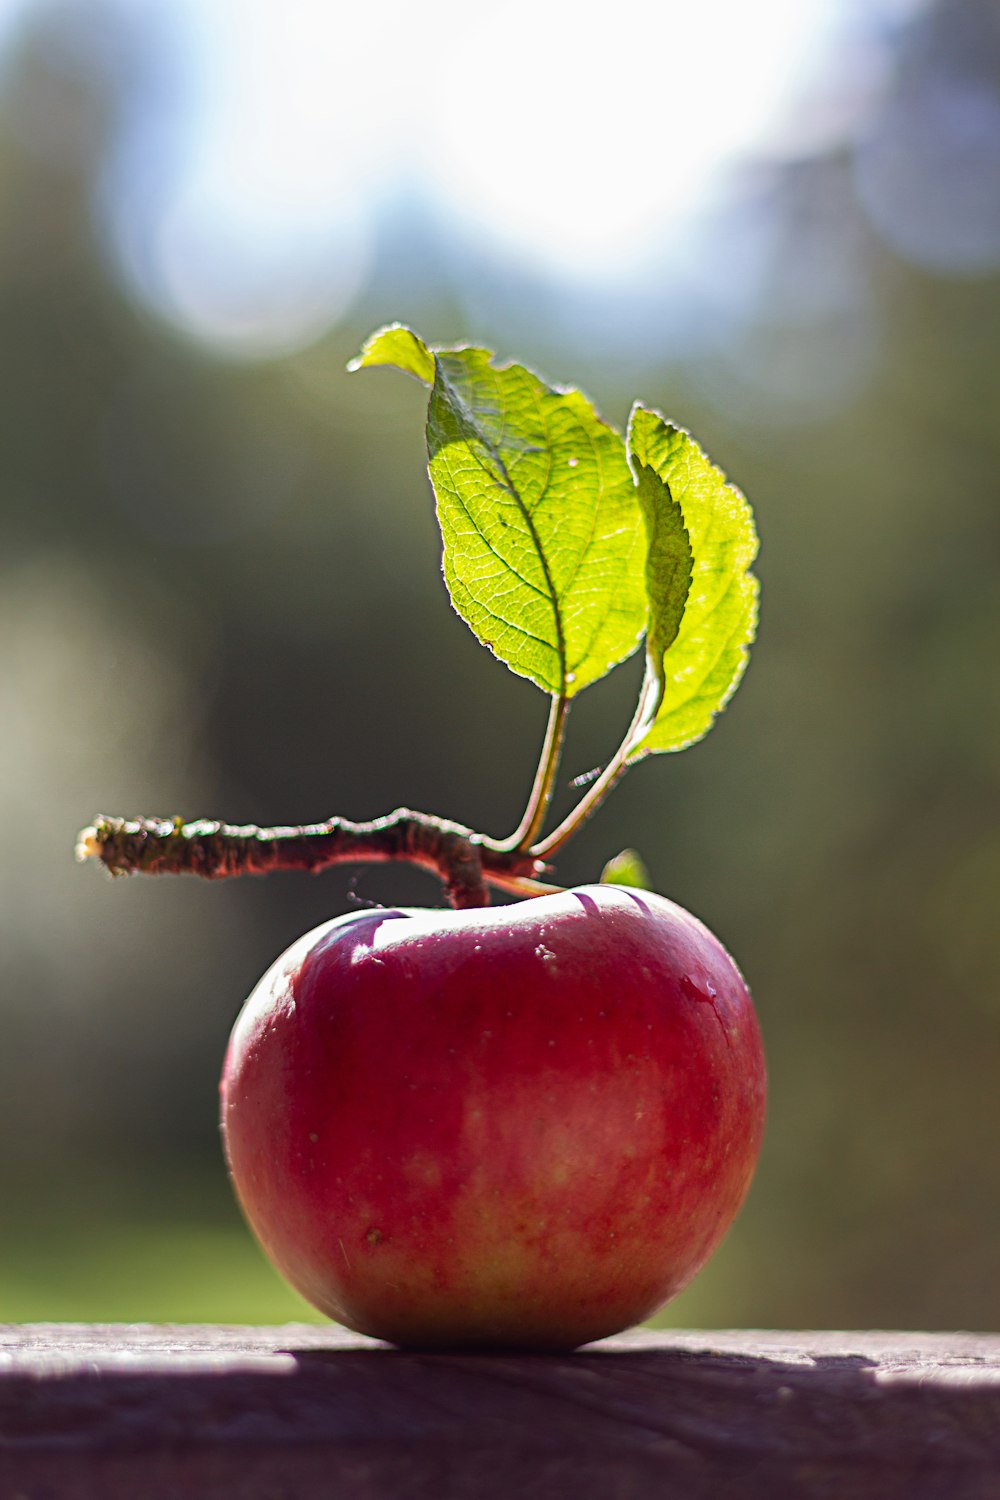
(467, 862)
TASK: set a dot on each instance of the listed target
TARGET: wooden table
(291, 1413)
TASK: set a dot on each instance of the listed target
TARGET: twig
(466, 862)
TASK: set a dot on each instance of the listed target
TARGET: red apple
(522, 1126)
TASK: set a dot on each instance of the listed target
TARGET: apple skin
(515, 1127)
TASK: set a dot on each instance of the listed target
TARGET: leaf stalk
(608, 779)
(543, 786)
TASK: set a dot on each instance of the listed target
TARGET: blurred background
(220, 591)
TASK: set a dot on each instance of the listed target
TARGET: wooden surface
(291, 1413)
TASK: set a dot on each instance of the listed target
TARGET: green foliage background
(219, 595)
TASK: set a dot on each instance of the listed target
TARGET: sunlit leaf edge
(714, 687)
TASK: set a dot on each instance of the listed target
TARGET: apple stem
(466, 862)
(542, 788)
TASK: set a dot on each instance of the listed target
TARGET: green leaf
(669, 560)
(627, 868)
(693, 668)
(398, 346)
(543, 540)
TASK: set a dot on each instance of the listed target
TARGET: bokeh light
(929, 174)
(245, 199)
